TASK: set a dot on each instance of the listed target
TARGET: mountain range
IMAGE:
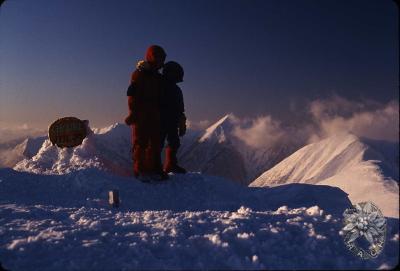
(213, 151)
(365, 169)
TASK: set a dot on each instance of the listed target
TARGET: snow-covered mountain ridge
(358, 166)
(214, 151)
(218, 151)
(365, 169)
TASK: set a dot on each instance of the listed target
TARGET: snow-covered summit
(116, 128)
(191, 221)
(219, 129)
(344, 161)
(108, 149)
(219, 151)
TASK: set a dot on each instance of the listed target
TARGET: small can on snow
(113, 198)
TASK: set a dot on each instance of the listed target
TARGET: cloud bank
(371, 120)
(260, 132)
(200, 125)
(14, 132)
(325, 117)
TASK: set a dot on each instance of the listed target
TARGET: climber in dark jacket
(144, 98)
(173, 119)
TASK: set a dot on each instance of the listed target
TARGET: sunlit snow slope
(365, 169)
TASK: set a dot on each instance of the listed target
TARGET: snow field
(192, 221)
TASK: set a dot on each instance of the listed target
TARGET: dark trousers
(170, 133)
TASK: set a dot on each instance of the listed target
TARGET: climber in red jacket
(144, 96)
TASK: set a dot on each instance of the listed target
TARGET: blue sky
(74, 58)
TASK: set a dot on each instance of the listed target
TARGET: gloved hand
(182, 126)
(129, 120)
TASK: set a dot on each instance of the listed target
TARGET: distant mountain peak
(30, 146)
(220, 128)
(114, 128)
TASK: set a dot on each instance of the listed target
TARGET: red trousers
(146, 150)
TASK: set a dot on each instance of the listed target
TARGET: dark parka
(172, 106)
(173, 119)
